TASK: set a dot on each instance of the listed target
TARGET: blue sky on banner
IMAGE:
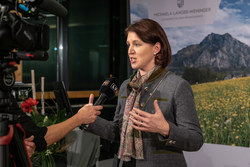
(233, 16)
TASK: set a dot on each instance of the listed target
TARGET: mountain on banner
(218, 52)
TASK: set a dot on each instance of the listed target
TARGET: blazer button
(142, 105)
(146, 89)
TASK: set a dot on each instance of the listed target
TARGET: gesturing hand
(30, 145)
(154, 123)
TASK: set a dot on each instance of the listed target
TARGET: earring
(155, 53)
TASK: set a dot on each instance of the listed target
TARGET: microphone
(109, 89)
(53, 7)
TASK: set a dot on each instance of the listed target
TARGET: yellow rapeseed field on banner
(223, 108)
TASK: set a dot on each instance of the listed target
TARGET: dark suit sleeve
(38, 132)
(30, 127)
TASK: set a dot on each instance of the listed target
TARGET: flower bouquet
(46, 157)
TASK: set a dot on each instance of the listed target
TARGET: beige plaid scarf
(131, 140)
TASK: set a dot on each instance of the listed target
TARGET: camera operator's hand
(30, 145)
(88, 113)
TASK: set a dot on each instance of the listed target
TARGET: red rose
(32, 102)
(27, 105)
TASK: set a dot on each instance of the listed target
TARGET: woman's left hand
(154, 123)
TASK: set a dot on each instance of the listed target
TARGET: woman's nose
(131, 50)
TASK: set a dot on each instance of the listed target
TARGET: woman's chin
(134, 67)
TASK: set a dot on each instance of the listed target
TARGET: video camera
(19, 34)
(19, 38)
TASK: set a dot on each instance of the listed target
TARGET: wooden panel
(71, 94)
(19, 72)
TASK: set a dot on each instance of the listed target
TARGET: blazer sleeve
(185, 133)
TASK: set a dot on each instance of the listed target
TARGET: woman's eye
(137, 44)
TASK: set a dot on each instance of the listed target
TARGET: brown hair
(149, 31)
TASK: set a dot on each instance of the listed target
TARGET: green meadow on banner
(224, 111)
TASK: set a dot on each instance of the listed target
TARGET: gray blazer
(175, 98)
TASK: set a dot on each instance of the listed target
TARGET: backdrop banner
(173, 13)
(210, 39)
